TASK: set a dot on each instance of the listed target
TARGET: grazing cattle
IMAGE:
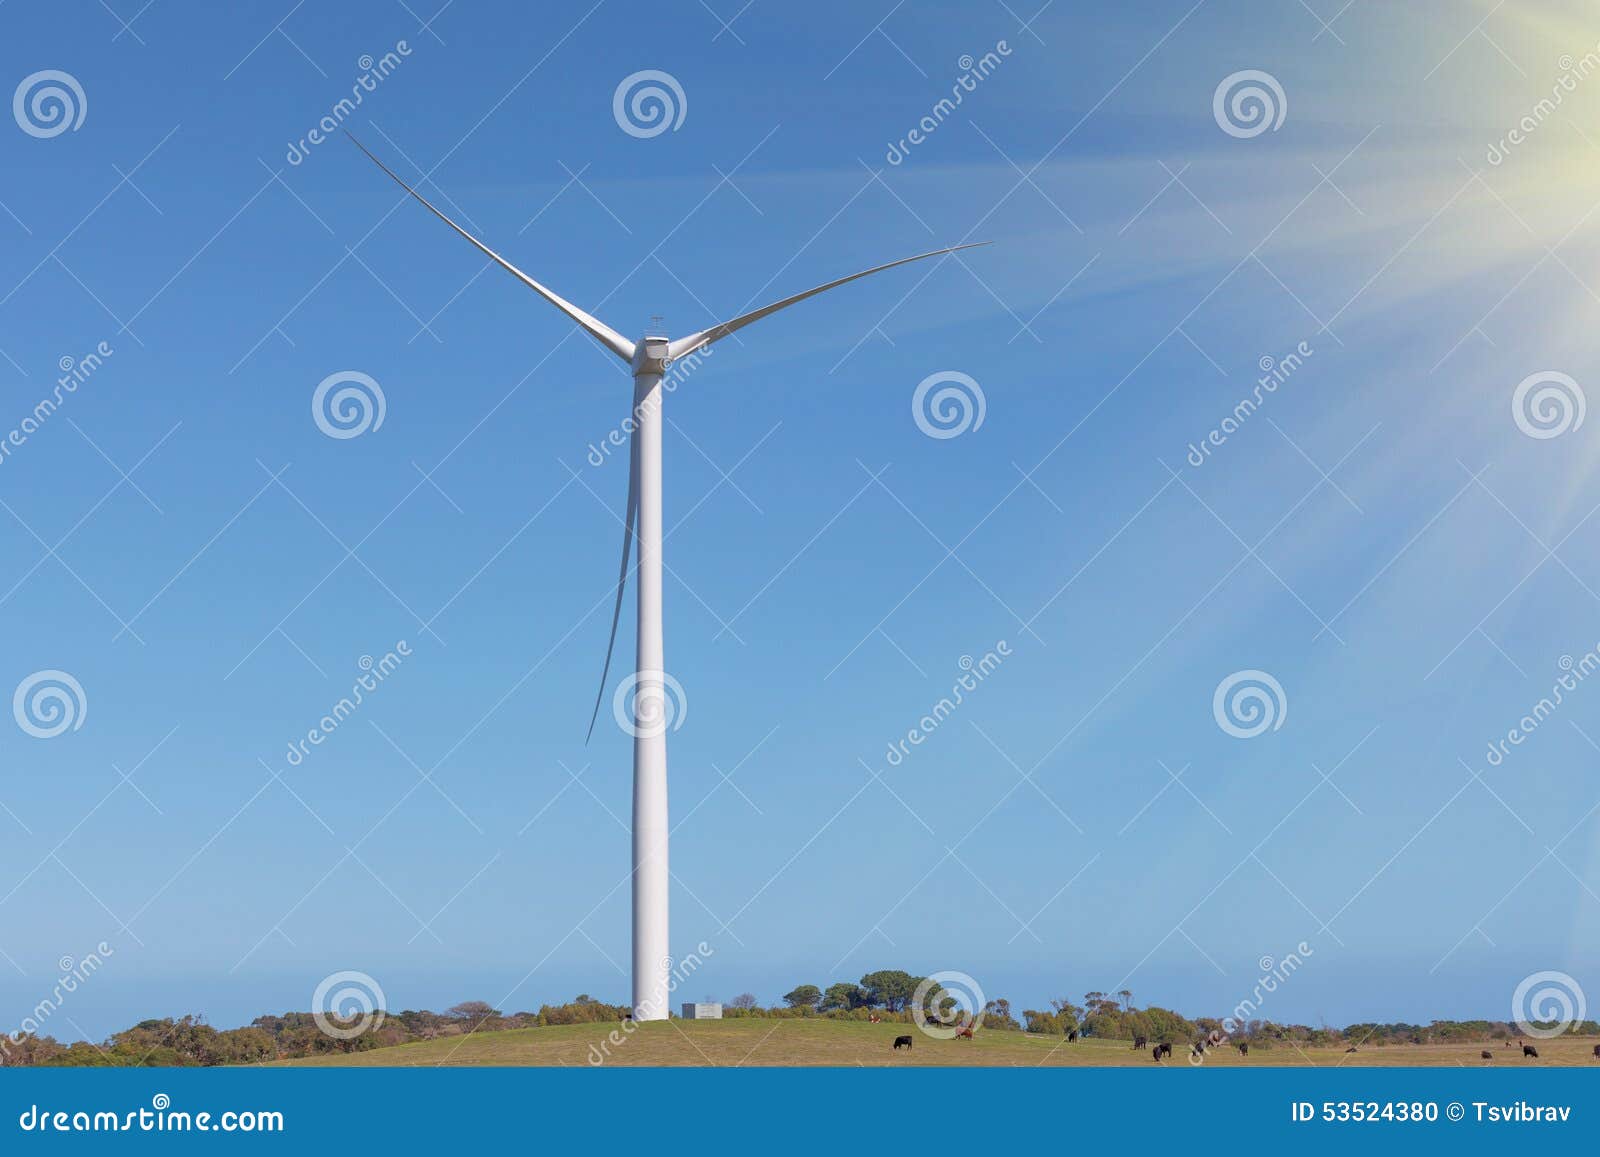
(1244, 1049)
(1166, 1048)
(1139, 1042)
(1197, 1049)
(902, 1042)
(1073, 1035)
(1597, 1050)
(1155, 1053)
(1352, 1049)
(1486, 1055)
(964, 1034)
(1530, 1051)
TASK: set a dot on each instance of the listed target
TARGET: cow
(1197, 1049)
(965, 1034)
(1597, 1050)
(902, 1042)
(1530, 1051)
(1166, 1048)
(1073, 1035)
(1352, 1049)
(1139, 1042)
(1486, 1055)
(1244, 1049)
(1155, 1054)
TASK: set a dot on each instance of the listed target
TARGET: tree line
(886, 994)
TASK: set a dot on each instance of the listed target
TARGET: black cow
(1166, 1048)
(1486, 1055)
(1139, 1042)
(1244, 1049)
(1530, 1051)
(1155, 1053)
(1073, 1035)
(1597, 1050)
(1352, 1049)
(902, 1042)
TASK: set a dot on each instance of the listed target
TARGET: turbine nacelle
(651, 355)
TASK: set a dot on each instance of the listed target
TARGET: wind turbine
(649, 358)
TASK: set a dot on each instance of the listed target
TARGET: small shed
(711, 1011)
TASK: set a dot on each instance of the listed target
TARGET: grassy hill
(756, 1041)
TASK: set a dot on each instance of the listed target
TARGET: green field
(754, 1041)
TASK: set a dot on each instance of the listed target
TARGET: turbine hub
(650, 355)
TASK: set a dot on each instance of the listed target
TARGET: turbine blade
(601, 332)
(622, 576)
(706, 337)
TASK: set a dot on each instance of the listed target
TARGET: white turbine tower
(649, 358)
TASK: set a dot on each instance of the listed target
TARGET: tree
(474, 1013)
(803, 996)
(743, 1000)
(843, 996)
(997, 1014)
(1069, 1015)
(890, 987)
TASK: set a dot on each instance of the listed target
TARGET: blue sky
(1380, 536)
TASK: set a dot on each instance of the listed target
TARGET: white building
(702, 1011)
